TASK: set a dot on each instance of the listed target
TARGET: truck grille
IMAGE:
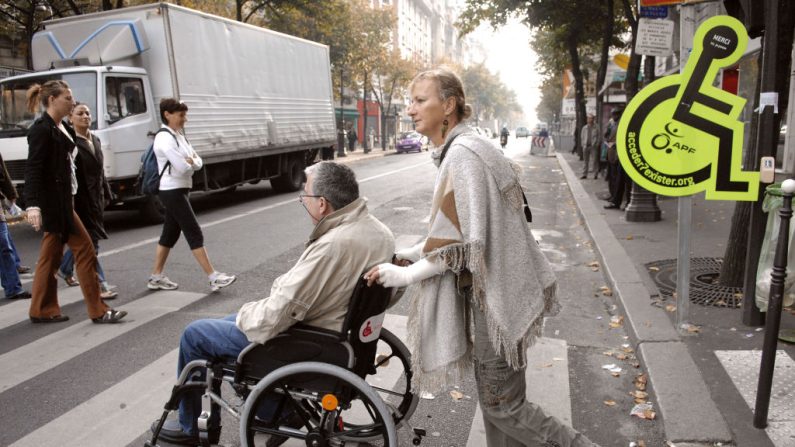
(16, 169)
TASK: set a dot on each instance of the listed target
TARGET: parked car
(522, 132)
(409, 141)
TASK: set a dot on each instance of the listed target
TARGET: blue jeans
(68, 263)
(8, 263)
(208, 339)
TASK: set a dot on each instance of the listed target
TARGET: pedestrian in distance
(93, 195)
(352, 137)
(177, 160)
(50, 186)
(479, 259)
(589, 137)
(9, 271)
(314, 292)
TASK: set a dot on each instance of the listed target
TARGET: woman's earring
(444, 127)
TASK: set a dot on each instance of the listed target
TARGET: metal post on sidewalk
(773, 320)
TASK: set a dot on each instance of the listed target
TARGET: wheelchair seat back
(352, 348)
(363, 324)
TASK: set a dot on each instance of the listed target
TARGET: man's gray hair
(336, 182)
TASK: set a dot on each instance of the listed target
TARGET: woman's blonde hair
(43, 92)
(449, 86)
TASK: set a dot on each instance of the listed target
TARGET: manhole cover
(704, 288)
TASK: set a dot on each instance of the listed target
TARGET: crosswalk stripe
(547, 377)
(17, 311)
(46, 353)
(743, 368)
(115, 416)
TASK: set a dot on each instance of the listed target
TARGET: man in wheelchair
(316, 291)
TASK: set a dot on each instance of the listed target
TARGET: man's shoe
(222, 280)
(52, 319)
(23, 295)
(172, 433)
(23, 269)
(110, 317)
(161, 283)
(584, 176)
(611, 206)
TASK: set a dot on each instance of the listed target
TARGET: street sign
(682, 135)
(655, 37)
(654, 12)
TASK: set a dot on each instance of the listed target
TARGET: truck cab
(120, 100)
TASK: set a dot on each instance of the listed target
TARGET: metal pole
(340, 130)
(773, 319)
(685, 210)
(766, 143)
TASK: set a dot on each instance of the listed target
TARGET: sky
(508, 54)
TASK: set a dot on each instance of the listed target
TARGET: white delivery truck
(260, 102)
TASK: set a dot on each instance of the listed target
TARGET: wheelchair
(310, 384)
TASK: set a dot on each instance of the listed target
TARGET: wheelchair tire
(398, 397)
(406, 400)
(348, 388)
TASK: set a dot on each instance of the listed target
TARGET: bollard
(773, 318)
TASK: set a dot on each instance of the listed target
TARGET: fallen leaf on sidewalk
(627, 349)
(643, 411)
(616, 321)
(610, 403)
(654, 269)
(456, 395)
(621, 356)
(606, 291)
(670, 307)
(547, 365)
(608, 353)
(640, 382)
(691, 328)
(630, 237)
(594, 265)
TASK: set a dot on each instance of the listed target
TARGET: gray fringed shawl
(479, 232)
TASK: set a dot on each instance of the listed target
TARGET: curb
(688, 412)
(353, 158)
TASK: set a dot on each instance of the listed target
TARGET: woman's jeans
(511, 420)
(68, 263)
(8, 263)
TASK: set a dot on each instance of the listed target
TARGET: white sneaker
(161, 283)
(222, 280)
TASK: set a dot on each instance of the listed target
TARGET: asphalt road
(57, 372)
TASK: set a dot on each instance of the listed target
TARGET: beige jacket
(316, 291)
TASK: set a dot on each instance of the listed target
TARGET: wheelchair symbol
(681, 134)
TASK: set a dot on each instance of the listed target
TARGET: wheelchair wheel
(392, 380)
(318, 403)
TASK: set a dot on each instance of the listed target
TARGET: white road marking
(48, 352)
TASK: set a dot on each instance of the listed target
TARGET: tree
(487, 95)
(572, 22)
(390, 81)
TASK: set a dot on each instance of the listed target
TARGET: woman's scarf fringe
(459, 257)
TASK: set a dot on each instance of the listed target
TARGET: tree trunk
(579, 89)
(365, 137)
(633, 69)
(732, 271)
(607, 36)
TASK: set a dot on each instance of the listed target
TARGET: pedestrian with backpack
(176, 163)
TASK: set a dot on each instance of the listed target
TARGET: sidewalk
(359, 155)
(705, 382)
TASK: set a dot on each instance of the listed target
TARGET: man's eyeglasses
(302, 195)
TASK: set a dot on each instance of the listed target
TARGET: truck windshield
(14, 116)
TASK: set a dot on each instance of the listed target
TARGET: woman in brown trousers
(50, 184)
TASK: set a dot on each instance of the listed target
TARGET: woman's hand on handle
(34, 218)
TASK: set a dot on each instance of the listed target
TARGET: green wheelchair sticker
(681, 135)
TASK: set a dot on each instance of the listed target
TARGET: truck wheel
(152, 210)
(292, 178)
